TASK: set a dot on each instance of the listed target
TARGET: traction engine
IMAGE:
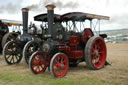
(67, 46)
(12, 51)
(3, 31)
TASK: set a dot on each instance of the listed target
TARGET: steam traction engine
(12, 51)
(6, 36)
(30, 47)
(67, 46)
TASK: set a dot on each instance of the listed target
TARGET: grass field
(116, 74)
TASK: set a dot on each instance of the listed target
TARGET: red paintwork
(76, 54)
(39, 64)
(71, 50)
(87, 34)
(74, 40)
(60, 66)
(98, 53)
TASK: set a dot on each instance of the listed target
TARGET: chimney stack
(25, 19)
(50, 18)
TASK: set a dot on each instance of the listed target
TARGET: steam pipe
(50, 17)
(25, 19)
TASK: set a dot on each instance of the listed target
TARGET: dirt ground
(117, 55)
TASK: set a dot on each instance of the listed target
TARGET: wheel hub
(58, 65)
(96, 53)
(38, 62)
(96, 56)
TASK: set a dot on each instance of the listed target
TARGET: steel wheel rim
(98, 53)
(59, 62)
(37, 65)
(29, 50)
(11, 54)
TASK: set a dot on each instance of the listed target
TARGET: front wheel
(29, 48)
(12, 53)
(37, 62)
(59, 65)
(95, 53)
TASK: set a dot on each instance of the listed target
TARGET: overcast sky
(115, 9)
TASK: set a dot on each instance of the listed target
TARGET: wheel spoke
(56, 61)
(11, 59)
(14, 59)
(42, 66)
(55, 68)
(37, 66)
(59, 65)
(17, 57)
(62, 61)
(60, 68)
(7, 57)
(99, 62)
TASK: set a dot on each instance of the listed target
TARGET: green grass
(11, 78)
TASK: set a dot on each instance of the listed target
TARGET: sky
(115, 9)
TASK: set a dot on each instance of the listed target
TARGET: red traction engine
(66, 46)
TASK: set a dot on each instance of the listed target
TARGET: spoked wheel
(12, 53)
(37, 62)
(59, 65)
(29, 48)
(95, 53)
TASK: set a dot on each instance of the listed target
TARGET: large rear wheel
(37, 62)
(29, 48)
(95, 53)
(12, 53)
(59, 65)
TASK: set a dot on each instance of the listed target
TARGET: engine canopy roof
(71, 16)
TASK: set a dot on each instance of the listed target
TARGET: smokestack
(25, 19)
(50, 18)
